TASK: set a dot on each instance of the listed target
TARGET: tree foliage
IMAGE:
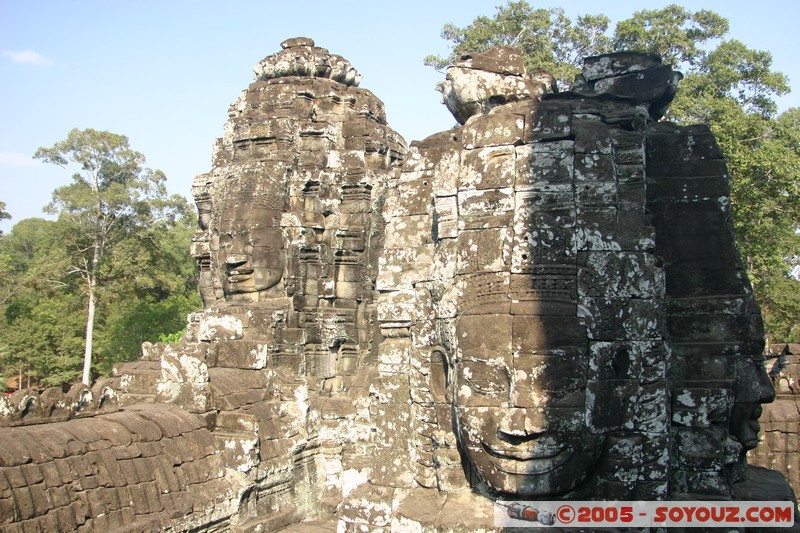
(111, 197)
(727, 85)
(148, 289)
(43, 315)
(119, 245)
(674, 33)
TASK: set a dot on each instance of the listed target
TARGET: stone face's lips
(754, 427)
(239, 275)
(528, 460)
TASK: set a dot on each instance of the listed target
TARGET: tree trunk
(92, 282)
(87, 353)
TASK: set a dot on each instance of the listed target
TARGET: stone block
(368, 505)
(396, 306)
(243, 354)
(410, 231)
(487, 168)
(595, 194)
(623, 319)
(700, 328)
(399, 267)
(691, 189)
(484, 250)
(630, 172)
(625, 140)
(220, 327)
(645, 85)
(495, 129)
(620, 275)
(594, 167)
(591, 135)
(445, 218)
(611, 404)
(542, 164)
(610, 65)
(414, 197)
(704, 449)
(620, 360)
(548, 120)
(701, 407)
(488, 208)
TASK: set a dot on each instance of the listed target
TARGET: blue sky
(164, 72)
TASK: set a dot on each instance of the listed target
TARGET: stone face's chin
(550, 462)
(265, 277)
(744, 424)
(527, 461)
(540, 476)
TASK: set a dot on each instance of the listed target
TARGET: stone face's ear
(439, 377)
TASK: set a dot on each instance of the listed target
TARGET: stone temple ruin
(545, 301)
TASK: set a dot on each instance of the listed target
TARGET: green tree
(145, 304)
(41, 307)
(112, 196)
(727, 85)
(677, 35)
(148, 287)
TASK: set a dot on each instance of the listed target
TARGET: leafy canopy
(114, 265)
(674, 33)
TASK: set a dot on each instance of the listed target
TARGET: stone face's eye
(561, 385)
(484, 386)
(485, 379)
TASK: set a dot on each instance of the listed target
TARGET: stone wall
(144, 469)
(779, 445)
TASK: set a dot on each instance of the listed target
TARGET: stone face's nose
(765, 385)
(522, 423)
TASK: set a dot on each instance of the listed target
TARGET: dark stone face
(520, 406)
(753, 388)
(250, 254)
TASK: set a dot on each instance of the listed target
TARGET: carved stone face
(468, 91)
(753, 387)
(461, 93)
(250, 255)
(519, 406)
